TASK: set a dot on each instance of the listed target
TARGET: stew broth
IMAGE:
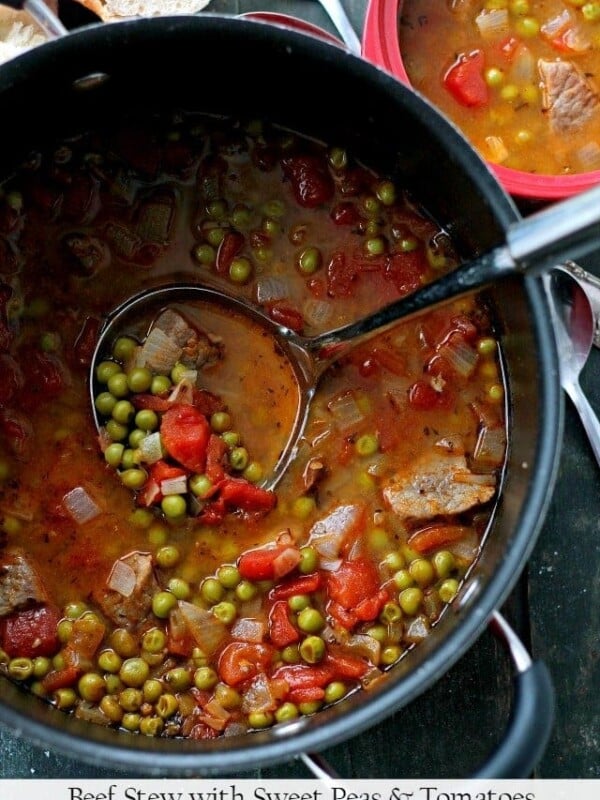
(519, 77)
(251, 607)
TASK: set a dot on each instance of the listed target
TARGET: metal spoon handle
(588, 417)
(40, 12)
(533, 245)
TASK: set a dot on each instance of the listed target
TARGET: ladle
(533, 245)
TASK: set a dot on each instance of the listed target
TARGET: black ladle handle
(529, 727)
(40, 12)
(569, 229)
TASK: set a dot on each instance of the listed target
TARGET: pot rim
(381, 45)
(161, 757)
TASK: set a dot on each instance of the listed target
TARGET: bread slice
(113, 10)
(18, 32)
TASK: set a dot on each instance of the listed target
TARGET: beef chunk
(569, 97)
(127, 597)
(20, 584)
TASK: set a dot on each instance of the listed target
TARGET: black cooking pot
(227, 65)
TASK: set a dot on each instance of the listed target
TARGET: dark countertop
(452, 727)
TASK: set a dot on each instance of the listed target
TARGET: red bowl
(295, 23)
(381, 45)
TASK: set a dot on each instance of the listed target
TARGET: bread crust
(113, 10)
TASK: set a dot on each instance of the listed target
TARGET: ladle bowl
(534, 244)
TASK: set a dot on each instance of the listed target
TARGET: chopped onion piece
(258, 696)
(159, 352)
(249, 630)
(122, 578)
(523, 68)
(316, 312)
(490, 447)
(177, 485)
(272, 288)
(330, 564)
(418, 629)
(151, 449)
(460, 355)
(329, 534)
(205, 628)
(80, 505)
(365, 646)
(497, 151)
(345, 411)
(184, 390)
(493, 23)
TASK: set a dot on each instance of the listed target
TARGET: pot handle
(529, 726)
(48, 21)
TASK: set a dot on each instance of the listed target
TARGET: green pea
(390, 613)
(309, 260)
(123, 412)
(41, 666)
(443, 563)
(334, 691)
(167, 705)
(205, 254)
(117, 384)
(375, 246)
(212, 590)
(494, 76)
(167, 556)
(139, 379)
(124, 348)
(111, 709)
(422, 571)
(123, 642)
(371, 205)
(390, 654)
(410, 600)
(298, 602)
(260, 719)
(303, 507)
(91, 687)
(131, 722)
(241, 217)
(231, 438)
(146, 420)
(367, 444)
(403, 579)
(228, 576)
(225, 612)
(408, 244)
(65, 698)
(64, 630)
(152, 690)
(109, 661)
(240, 270)
(386, 193)
(253, 472)
(162, 604)
(154, 640)
(141, 518)
(448, 590)
(245, 590)
(220, 421)
(158, 534)
(134, 672)
(338, 158)
(309, 560)
(214, 236)
(205, 678)
(271, 227)
(134, 478)
(179, 679)
(116, 431)
(200, 485)
(199, 658)
(173, 506)
(104, 403)
(238, 458)
(113, 454)
(227, 696)
(286, 712)
(106, 369)
(160, 384)
(310, 620)
(217, 209)
(308, 708)
(180, 588)
(129, 459)
(20, 668)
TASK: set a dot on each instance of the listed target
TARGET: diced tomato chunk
(61, 678)
(281, 630)
(31, 632)
(284, 314)
(353, 582)
(465, 82)
(309, 176)
(241, 661)
(435, 536)
(237, 493)
(305, 584)
(260, 564)
(185, 432)
(232, 243)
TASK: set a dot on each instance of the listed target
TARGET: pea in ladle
(533, 246)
